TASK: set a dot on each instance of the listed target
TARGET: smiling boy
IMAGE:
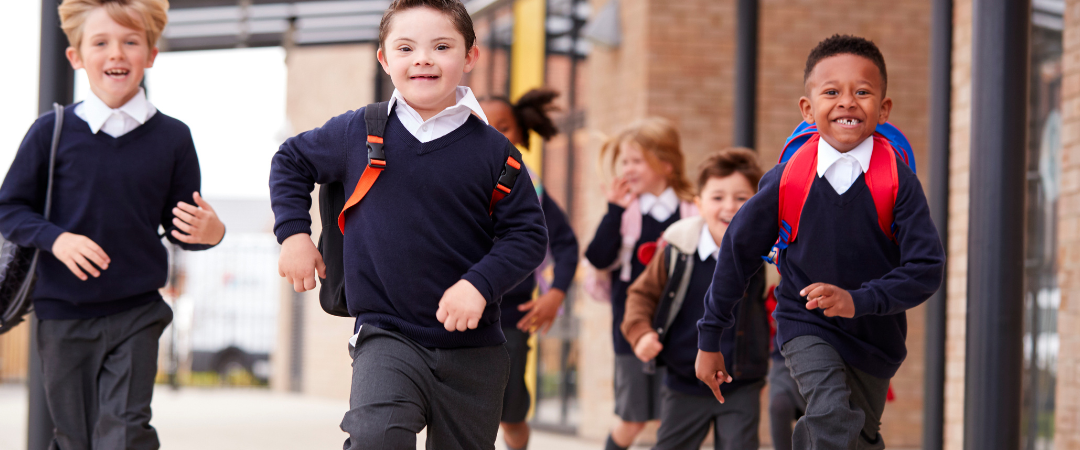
(845, 283)
(427, 258)
(123, 169)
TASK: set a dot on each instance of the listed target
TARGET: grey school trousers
(685, 419)
(843, 404)
(99, 378)
(399, 387)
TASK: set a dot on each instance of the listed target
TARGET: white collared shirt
(706, 246)
(842, 169)
(442, 123)
(659, 207)
(115, 122)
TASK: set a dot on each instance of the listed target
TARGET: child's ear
(697, 202)
(806, 109)
(153, 56)
(381, 56)
(886, 108)
(471, 57)
(74, 58)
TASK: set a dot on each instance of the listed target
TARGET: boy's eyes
(442, 47)
(404, 49)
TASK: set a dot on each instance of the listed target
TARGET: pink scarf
(598, 281)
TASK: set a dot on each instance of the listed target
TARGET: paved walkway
(219, 419)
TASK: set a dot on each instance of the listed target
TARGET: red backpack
(800, 153)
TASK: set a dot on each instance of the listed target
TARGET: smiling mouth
(848, 122)
(424, 77)
(117, 73)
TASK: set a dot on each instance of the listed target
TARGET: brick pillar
(1067, 417)
(323, 82)
(956, 270)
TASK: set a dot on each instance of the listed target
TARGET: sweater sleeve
(520, 242)
(315, 156)
(22, 196)
(563, 243)
(603, 251)
(186, 180)
(752, 232)
(642, 298)
(922, 258)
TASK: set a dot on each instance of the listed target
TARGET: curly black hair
(531, 112)
(840, 44)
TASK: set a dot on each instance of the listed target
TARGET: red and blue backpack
(800, 154)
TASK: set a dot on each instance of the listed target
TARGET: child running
(848, 275)
(426, 260)
(649, 194)
(122, 170)
(664, 304)
(520, 313)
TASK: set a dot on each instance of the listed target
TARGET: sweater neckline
(852, 193)
(407, 140)
(115, 142)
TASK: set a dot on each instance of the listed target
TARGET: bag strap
(510, 171)
(375, 118)
(884, 183)
(59, 111)
(795, 185)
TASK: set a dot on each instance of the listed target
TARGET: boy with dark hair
(847, 275)
(123, 169)
(428, 254)
(664, 304)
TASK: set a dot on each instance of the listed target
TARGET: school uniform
(786, 404)
(423, 226)
(637, 394)
(676, 281)
(842, 366)
(564, 255)
(118, 174)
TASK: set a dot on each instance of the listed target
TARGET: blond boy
(122, 170)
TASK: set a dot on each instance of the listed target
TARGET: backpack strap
(375, 117)
(884, 183)
(510, 171)
(795, 185)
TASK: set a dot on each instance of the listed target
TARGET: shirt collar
(667, 200)
(706, 246)
(827, 155)
(97, 112)
(465, 99)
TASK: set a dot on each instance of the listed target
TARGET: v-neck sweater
(422, 227)
(115, 191)
(840, 243)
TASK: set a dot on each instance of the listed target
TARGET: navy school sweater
(841, 243)
(423, 226)
(603, 251)
(680, 350)
(564, 253)
(115, 191)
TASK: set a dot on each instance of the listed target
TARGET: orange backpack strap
(375, 117)
(884, 183)
(510, 171)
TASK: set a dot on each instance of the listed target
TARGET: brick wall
(1067, 426)
(956, 270)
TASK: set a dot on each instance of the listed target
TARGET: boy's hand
(619, 192)
(711, 370)
(648, 346)
(834, 301)
(461, 307)
(199, 221)
(300, 261)
(77, 252)
(542, 311)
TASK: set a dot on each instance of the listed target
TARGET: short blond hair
(153, 15)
